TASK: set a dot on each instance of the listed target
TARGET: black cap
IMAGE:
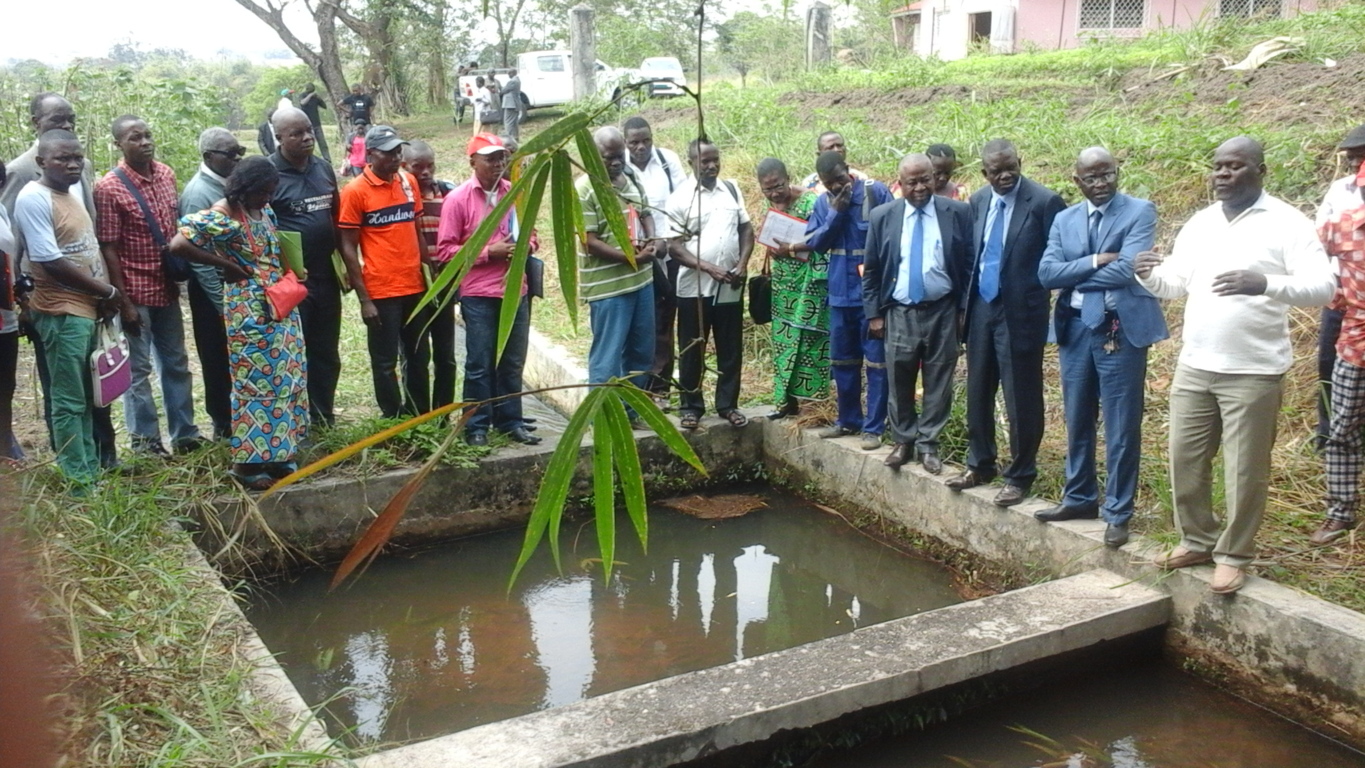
(382, 138)
(1354, 139)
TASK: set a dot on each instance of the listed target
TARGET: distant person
(1007, 321)
(459, 100)
(483, 101)
(918, 264)
(355, 157)
(1343, 194)
(1240, 264)
(71, 294)
(219, 153)
(659, 171)
(1105, 322)
(265, 135)
(379, 217)
(800, 285)
(136, 204)
(270, 394)
(830, 141)
(510, 96)
(286, 99)
(486, 375)
(713, 250)
(838, 228)
(306, 201)
(311, 102)
(9, 337)
(48, 111)
(419, 159)
(620, 295)
(358, 105)
(945, 162)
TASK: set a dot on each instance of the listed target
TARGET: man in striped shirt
(620, 295)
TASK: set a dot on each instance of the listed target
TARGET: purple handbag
(111, 370)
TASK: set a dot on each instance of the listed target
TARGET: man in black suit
(915, 271)
(1007, 321)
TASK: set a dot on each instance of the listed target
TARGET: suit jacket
(1026, 300)
(1128, 228)
(882, 259)
(511, 93)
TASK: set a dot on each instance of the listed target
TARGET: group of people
(878, 291)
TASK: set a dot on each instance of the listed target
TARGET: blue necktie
(990, 257)
(1092, 303)
(917, 258)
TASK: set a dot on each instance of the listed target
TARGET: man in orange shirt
(379, 218)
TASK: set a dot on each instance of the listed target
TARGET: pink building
(951, 29)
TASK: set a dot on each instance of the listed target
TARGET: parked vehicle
(664, 68)
(547, 78)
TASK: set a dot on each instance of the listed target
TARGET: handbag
(177, 269)
(535, 277)
(285, 294)
(111, 368)
(761, 295)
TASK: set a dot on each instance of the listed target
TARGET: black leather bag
(761, 297)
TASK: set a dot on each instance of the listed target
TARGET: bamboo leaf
(556, 134)
(627, 457)
(459, 264)
(603, 492)
(563, 199)
(554, 485)
(645, 408)
(332, 459)
(516, 268)
(608, 202)
(381, 528)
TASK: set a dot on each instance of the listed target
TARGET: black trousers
(995, 360)
(9, 368)
(106, 440)
(320, 315)
(1328, 332)
(665, 321)
(210, 343)
(698, 319)
(389, 337)
(444, 367)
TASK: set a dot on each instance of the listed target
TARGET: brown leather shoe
(932, 463)
(900, 456)
(1227, 579)
(1009, 496)
(1330, 531)
(969, 479)
(1181, 558)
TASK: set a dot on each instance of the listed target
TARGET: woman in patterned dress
(800, 326)
(265, 355)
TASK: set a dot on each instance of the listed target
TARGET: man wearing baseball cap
(481, 294)
(1343, 194)
(379, 219)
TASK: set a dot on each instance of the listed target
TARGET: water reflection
(706, 594)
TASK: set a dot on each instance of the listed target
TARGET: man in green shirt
(620, 295)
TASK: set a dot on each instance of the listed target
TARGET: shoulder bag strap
(152, 222)
(668, 172)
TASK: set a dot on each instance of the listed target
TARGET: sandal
(689, 421)
(736, 419)
(260, 481)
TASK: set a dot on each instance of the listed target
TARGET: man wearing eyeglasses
(220, 151)
(1105, 322)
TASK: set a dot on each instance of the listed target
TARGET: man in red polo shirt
(135, 206)
(379, 222)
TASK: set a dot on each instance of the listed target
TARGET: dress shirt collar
(929, 210)
(1090, 207)
(207, 171)
(1259, 205)
(1009, 199)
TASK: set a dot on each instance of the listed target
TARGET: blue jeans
(622, 337)
(162, 333)
(485, 376)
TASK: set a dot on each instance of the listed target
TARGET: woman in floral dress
(800, 327)
(265, 355)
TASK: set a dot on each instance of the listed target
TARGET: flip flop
(736, 419)
(256, 482)
(689, 421)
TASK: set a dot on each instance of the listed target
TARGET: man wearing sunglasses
(220, 151)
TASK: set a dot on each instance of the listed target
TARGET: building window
(1116, 14)
(1243, 9)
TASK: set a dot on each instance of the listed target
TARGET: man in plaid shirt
(151, 307)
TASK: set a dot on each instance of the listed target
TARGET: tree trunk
(325, 61)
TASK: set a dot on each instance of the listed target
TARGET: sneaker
(148, 447)
(833, 431)
(870, 442)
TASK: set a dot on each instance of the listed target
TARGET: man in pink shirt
(481, 294)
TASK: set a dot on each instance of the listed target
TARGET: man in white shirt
(1344, 194)
(1242, 263)
(712, 241)
(660, 172)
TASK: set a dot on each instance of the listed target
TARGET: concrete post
(583, 44)
(819, 28)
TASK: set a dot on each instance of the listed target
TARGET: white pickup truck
(547, 78)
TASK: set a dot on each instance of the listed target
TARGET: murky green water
(1146, 716)
(432, 644)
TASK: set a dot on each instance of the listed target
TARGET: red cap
(486, 144)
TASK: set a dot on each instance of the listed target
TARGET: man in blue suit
(919, 254)
(1105, 322)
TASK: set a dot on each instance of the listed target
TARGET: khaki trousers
(1240, 412)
